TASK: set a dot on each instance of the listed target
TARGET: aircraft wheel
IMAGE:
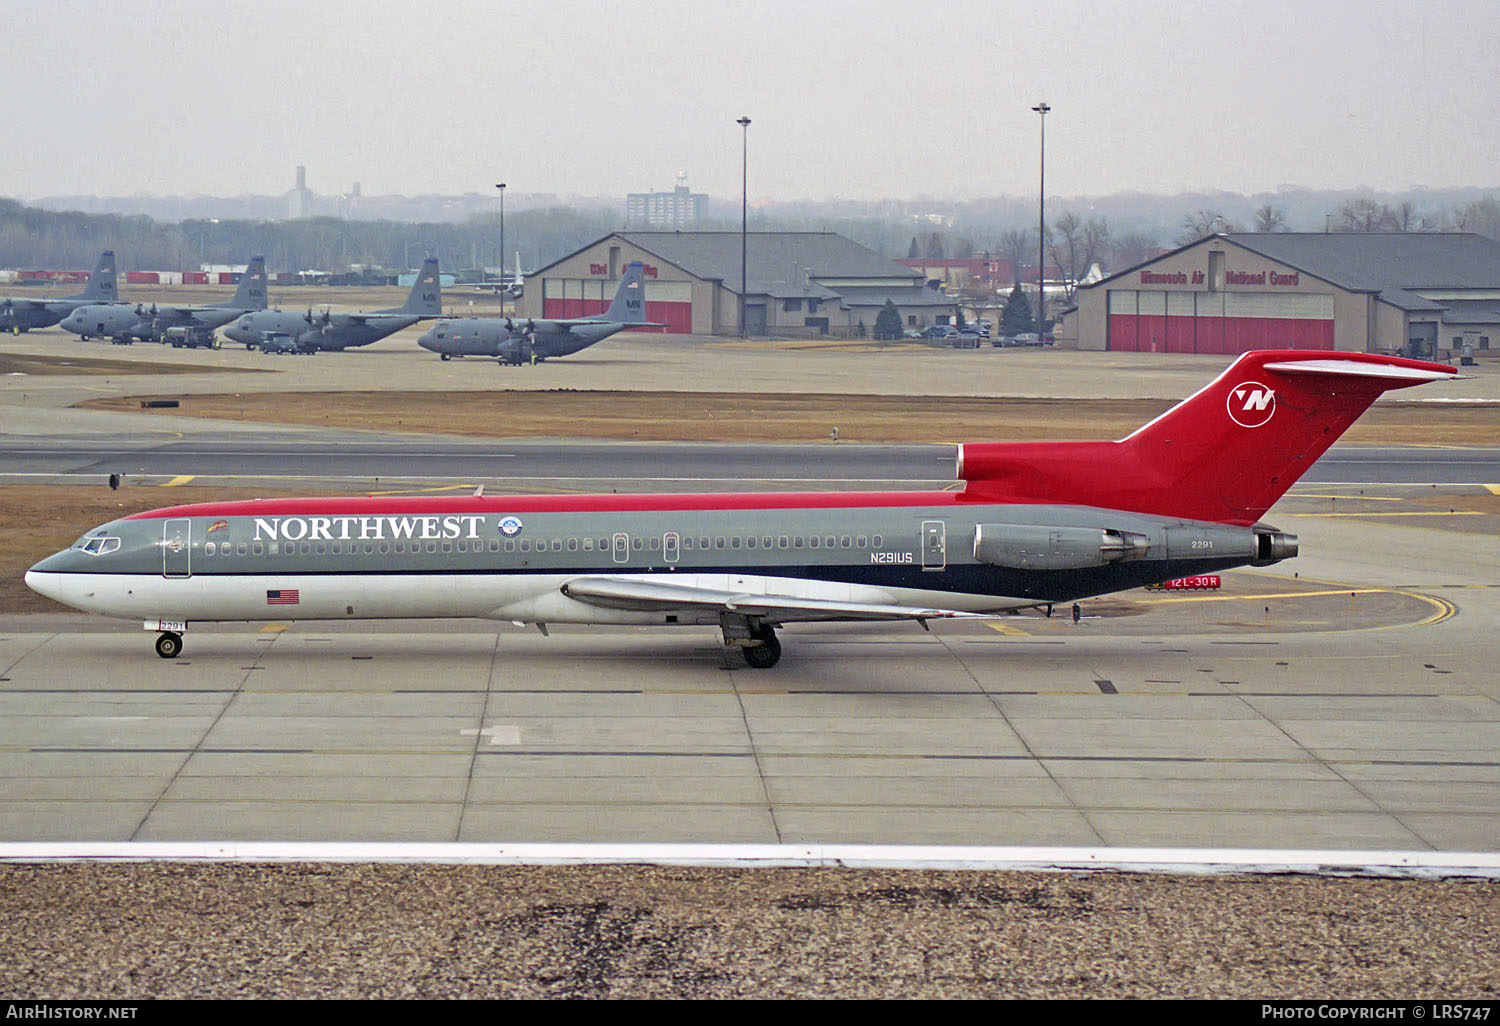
(169, 644)
(446, 357)
(766, 654)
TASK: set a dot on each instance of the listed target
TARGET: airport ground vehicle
(1035, 524)
(192, 336)
(274, 342)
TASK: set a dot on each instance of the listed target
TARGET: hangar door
(667, 302)
(1218, 322)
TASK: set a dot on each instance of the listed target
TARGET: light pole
(501, 186)
(1041, 229)
(744, 123)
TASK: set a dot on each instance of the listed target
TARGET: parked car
(912, 333)
(1028, 338)
(940, 331)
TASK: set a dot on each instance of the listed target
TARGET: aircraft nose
(55, 584)
(58, 562)
(428, 342)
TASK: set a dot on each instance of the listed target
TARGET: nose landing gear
(169, 644)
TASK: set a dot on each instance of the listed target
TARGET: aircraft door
(621, 547)
(177, 549)
(934, 545)
(670, 547)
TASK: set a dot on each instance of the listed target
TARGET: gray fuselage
(460, 554)
(489, 336)
(341, 331)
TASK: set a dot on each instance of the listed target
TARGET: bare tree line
(1073, 241)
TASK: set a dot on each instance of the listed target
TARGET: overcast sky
(853, 100)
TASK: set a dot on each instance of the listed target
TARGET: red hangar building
(797, 284)
(1428, 295)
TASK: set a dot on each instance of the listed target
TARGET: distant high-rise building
(299, 200)
(680, 208)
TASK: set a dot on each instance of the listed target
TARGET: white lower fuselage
(531, 598)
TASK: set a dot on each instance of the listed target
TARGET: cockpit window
(101, 546)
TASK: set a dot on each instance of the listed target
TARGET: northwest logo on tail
(1251, 404)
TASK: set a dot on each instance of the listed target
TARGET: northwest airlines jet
(1036, 523)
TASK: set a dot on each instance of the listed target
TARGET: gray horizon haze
(859, 101)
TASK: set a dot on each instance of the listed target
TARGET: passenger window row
(400, 548)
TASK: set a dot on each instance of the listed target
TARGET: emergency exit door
(934, 545)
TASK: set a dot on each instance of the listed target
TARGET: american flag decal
(283, 597)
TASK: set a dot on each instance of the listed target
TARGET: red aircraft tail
(1225, 454)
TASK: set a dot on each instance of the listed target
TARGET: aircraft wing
(580, 322)
(634, 593)
(378, 316)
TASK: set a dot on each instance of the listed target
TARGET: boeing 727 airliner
(1036, 523)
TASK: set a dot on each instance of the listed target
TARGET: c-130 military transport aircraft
(1036, 523)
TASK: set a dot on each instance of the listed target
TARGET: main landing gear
(765, 652)
(755, 639)
(169, 644)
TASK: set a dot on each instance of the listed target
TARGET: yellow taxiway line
(1432, 513)
(1257, 598)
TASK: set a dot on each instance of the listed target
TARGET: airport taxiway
(1357, 710)
(293, 457)
(1353, 706)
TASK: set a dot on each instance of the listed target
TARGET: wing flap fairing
(636, 594)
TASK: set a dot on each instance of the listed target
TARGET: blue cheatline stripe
(1170, 861)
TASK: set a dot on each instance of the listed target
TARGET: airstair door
(177, 548)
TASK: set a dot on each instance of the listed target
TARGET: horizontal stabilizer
(1361, 369)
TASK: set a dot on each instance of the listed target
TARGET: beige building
(1429, 294)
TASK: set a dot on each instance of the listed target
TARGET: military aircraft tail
(426, 296)
(1226, 454)
(629, 305)
(251, 295)
(101, 286)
